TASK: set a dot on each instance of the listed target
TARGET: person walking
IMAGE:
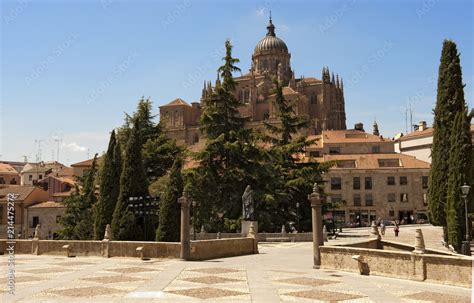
(382, 228)
(396, 229)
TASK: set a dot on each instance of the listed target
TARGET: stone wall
(261, 237)
(211, 249)
(451, 270)
(200, 250)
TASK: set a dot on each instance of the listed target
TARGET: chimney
(421, 126)
(359, 126)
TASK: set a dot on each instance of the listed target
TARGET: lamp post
(466, 245)
(298, 216)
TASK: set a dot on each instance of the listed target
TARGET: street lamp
(298, 216)
(466, 245)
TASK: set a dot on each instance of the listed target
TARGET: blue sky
(70, 69)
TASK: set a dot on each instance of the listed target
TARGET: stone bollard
(67, 249)
(141, 252)
(419, 242)
(253, 234)
(218, 235)
(108, 233)
(283, 229)
(325, 233)
(35, 242)
(374, 231)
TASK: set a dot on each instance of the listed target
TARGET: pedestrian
(382, 228)
(396, 229)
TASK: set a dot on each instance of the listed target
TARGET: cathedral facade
(321, 100)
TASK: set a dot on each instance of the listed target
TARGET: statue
(248, 204)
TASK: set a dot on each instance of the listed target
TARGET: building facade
(8, 175)
(321, 100)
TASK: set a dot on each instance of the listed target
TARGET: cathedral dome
(271, 43)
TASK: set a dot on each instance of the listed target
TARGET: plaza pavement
(282, 272)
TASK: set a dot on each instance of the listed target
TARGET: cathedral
(321, 100)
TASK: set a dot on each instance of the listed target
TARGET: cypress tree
(109, 187)
(459, 163)
(133, 183)
(79, 209)
(449, 101)
(169, 222)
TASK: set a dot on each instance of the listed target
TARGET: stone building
(368, 179)
(321, 100)
(8, 175)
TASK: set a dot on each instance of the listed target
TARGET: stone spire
(332, 79)
(342, 85)
(376, 128)
(270, 27)
(337, 81)
(218, 81)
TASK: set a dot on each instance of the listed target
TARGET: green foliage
(109, 187)
(459, 163)
(79, 209)
(449, 101)
(170, 210)
(133, 183)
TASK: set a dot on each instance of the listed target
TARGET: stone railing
(261, 237)
(399, 261)
(200, 250)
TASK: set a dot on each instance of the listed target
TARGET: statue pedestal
(246, 227)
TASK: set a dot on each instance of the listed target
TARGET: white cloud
(260, 11)
(74, 147)
(284, 28)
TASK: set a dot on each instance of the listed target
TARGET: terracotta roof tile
(176, 102)
(87, 163)
(7, 169)
(371, 161)
(48, 204)
(22, 191)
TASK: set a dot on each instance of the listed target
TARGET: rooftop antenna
(58, 141)
(38, 153)
(25, 158)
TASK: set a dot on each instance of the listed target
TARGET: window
(40, 177)
(314, 153)
(13, 181)
(390, 180)
(58, 218)
(2, 181)
(334, 150)
(1, 214)
(403, 180)
(424, 182)
(30, 177)
(403, 197)
(356, 200)
(313, 100)
(368, 200)
(336, 198)
(391, 198)
(389, 163)
(356, 183)
(391, 213)
(335, 183)
(425, 199)
(368, 182)
(376, 149)
(345, 164)
(35, 222)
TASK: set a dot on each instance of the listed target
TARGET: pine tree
(449, 101)
(459, 164)
(229, 160)
(133, 183)
(109, 187)
(170, 213)
(79, 209)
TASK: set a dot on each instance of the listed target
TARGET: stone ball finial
(374, 231)
(315, 187)
(252, 233)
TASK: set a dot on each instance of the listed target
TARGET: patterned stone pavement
(280, 273)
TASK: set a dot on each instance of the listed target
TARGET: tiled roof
(66, 172)
(86, 163)
(350, 135)
(63, 194)
(371, 161)
(22, 191)
(36, 169)
(428, 132)
(48, 204)
(67, 179)
(176, 102)
(7, 169)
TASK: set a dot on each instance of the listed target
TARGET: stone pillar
(253, 234)
(317, 220)
(35, 242)
(419, 242)
(105, 242)
(185, 202)
(37, 234)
